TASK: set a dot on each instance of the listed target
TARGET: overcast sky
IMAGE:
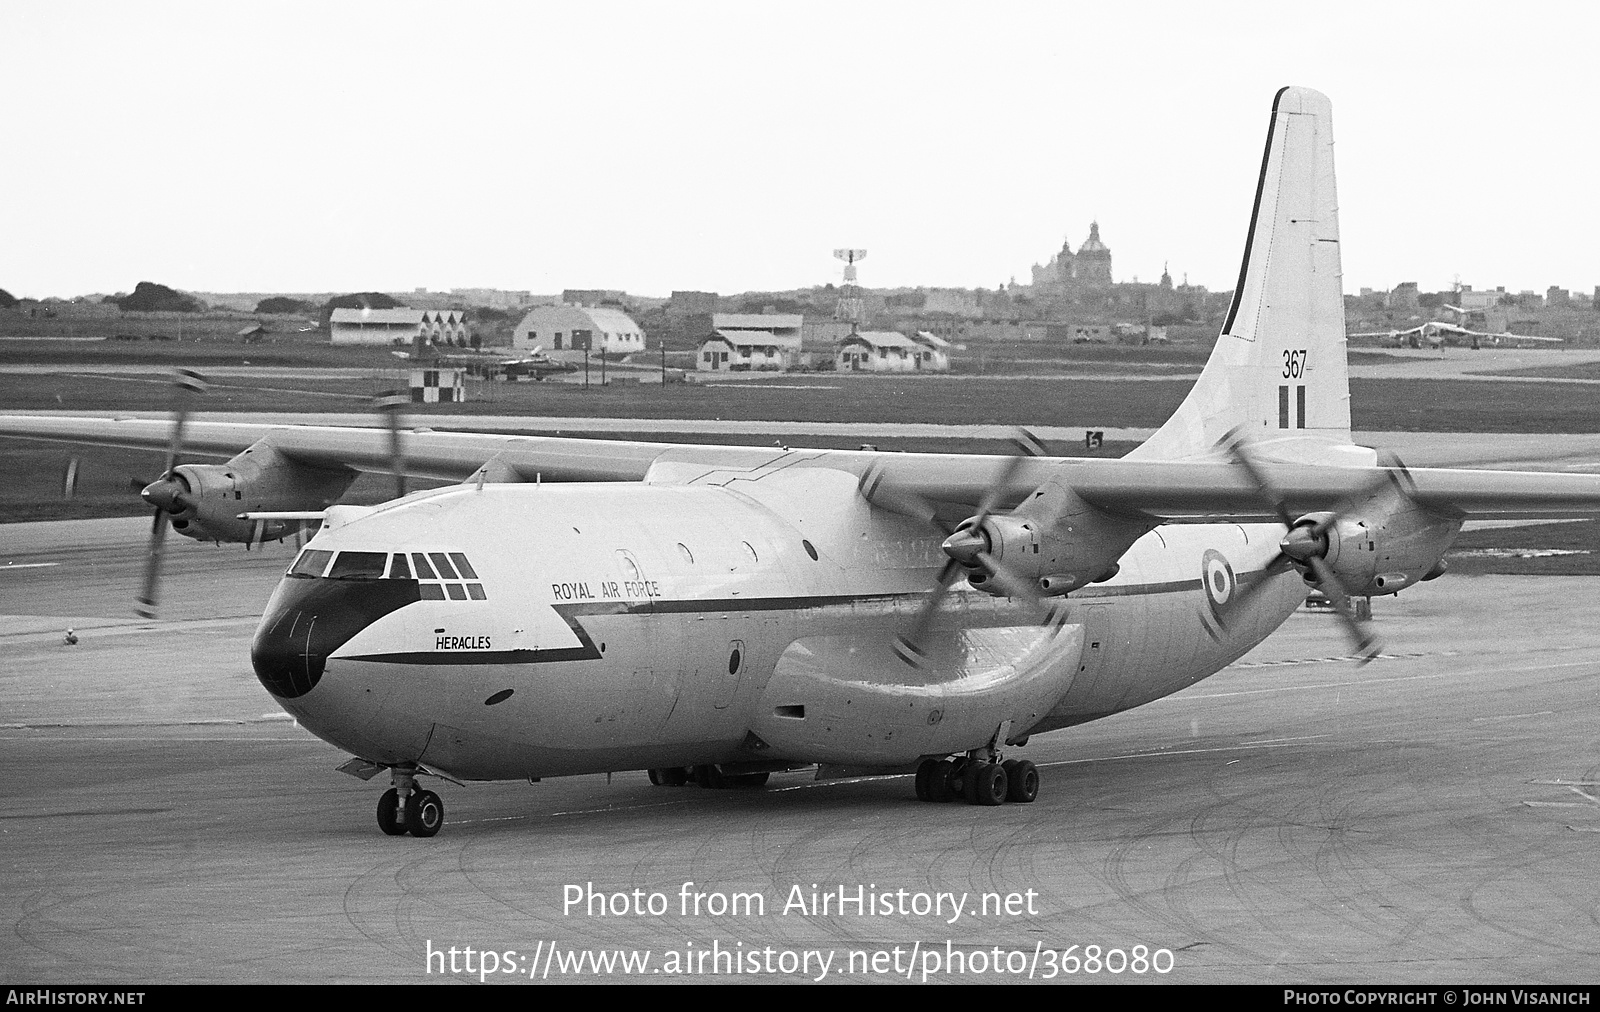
(730, 147)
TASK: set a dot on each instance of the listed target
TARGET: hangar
(575, 328)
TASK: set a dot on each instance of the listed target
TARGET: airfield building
(576, 328)
(891, 351)
(398, 326)
(751, 341)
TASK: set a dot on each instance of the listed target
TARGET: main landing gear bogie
(977, 781)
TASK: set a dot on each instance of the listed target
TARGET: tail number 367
(1294, 364)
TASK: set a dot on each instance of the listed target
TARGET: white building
(402, 326)
(745, 351)
(574, 328)
(783, 328)
(761, 342)
(891, 351)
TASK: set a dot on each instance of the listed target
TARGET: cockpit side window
(442, 564)
(312, 562)
(399, 568)
(359, 566)
(424, 571)
(463, 566)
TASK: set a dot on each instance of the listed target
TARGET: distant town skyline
(723, 147)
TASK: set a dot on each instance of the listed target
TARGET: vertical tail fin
(1278, 371)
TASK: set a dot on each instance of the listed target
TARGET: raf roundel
(1217, 576)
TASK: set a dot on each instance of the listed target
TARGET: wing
(1506, 336)
(448, 456)
(953, 485)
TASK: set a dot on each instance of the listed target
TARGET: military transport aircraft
(579, 606)
(1436, 334)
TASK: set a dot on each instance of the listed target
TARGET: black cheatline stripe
(1250, 236)
(587, 651)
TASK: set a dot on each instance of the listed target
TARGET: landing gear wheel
(1022, 781)
(925, 777)
(389, 813)
(709, 777)
(674, 776)
(425, 813)
(958, 772)
(939, 789)
(986, 784)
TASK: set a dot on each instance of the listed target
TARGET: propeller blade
(1248, 592)
(1028, 445)
(69, 479)
(146, 607)
(389, 404)
(165, 493)
(1239, 448)
(1365, 642)
(186, 384)
(909, 646)
(907, 504)
(966, 545)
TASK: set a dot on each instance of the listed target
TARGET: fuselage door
(1095, 619)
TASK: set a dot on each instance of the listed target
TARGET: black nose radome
(310, 619)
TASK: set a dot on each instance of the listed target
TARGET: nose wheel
(405, 809)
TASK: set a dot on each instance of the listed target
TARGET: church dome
(1093, 243)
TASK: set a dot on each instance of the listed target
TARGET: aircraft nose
(308, 619)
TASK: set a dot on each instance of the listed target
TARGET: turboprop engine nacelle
(1375, 556)
(205, 500)
(1054, 539)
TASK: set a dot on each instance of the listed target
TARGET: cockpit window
(312, 562)
(359, 566)
(442, 564)
(399, 569)
(424, 571)
(463, 566)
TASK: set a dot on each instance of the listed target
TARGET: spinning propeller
(1306, 543)
(389, 404)
(966, 544)
(166, 493)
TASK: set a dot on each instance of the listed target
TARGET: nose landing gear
(405, 809)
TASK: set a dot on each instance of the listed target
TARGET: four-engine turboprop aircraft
(580, 606)
(1436, 334)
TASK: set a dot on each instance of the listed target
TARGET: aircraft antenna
(849, 307)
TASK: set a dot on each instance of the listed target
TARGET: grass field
(1375, 404)
(1582, 370)
(1561, 549)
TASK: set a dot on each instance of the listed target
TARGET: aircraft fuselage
(540, 630)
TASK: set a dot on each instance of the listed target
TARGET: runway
(1432, 816)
